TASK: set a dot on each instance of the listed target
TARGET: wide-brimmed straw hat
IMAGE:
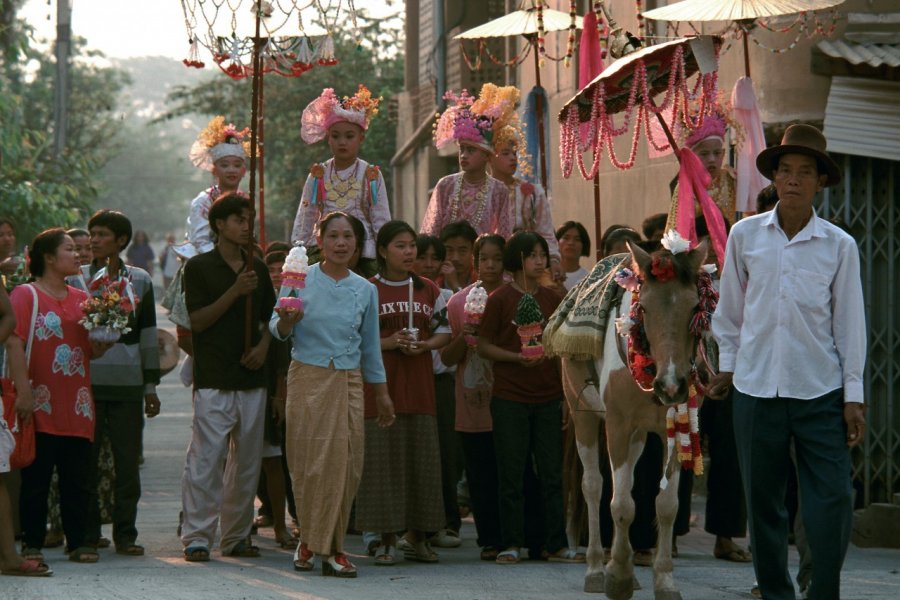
(800, 139)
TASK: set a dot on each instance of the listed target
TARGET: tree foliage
(287, 157)
(40, 190)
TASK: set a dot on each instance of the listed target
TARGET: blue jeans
(764, 428)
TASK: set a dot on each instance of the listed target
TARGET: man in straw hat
(791, 330)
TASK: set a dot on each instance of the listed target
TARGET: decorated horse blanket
(578, 327)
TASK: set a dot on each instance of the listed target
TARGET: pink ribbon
(693, 179)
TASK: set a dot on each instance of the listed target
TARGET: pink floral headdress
(328, 109)
(476, 121)
(217, 141)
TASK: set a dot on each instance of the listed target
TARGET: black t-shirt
(218, 349)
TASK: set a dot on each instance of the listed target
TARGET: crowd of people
(391, 390)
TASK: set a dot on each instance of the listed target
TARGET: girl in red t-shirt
(401, 481)
(526, 403)
(54, 388)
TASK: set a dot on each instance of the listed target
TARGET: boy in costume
(344, 182)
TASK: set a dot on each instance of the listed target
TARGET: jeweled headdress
(477, 121)
(328, 109)
(217, 141)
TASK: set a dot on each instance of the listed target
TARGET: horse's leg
(587, 435)
(586, 413)
(666, 509)
(625, 447)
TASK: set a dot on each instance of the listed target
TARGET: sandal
(304, 558)
(338, 566)
(510, 556)
(54, 539)
(84, 554)
(566, 555)
(420, 552)
(373, 547)
(643, 558)
(286, 541)
(103, 542)
(384, 557)
(489, 553)
(29, 568)
(196, 554)
(130, 550)
(32, 554)
(243, 549)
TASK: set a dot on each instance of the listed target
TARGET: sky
(130, 28)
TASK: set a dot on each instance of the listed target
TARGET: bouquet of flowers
(107, 311)
(530, 326)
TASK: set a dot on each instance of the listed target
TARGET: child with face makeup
(470, 195)
(344, 182)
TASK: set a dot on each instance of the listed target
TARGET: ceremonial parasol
(628, 86)
(530, 23)
(743, 16)
(278, 42)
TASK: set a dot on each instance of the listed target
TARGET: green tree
(377, 63)
(37, 189)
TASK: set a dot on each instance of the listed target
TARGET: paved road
(869, 574)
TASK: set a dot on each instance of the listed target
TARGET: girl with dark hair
(340, 349)
(401, 482)
(526, 407)
(474, 382)
(9, 262)
(430, 255)
(53, 381)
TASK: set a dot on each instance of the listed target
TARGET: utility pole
(61, 89)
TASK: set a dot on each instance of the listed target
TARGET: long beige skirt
(324, 423)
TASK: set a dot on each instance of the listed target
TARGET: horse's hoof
(619, 589)
(594, 584)
(667, 595)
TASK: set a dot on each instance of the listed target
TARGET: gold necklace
(340, 191)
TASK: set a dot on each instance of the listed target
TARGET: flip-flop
(130, 550)
(421, 552)
(29, 568)
(196, 554)
(738, 555)
(488, 553)
(32, 554)
(507, 557)
(243, 550)
(84, 555)
(566, 555)
(384, 557)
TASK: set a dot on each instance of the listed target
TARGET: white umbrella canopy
(520, 22)
(735, 10)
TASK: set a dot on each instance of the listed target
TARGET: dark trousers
(481, 473)
(764, 428)
(726, 510)
(519, 430)
(445, 401)
(72, 458)
(122, 422)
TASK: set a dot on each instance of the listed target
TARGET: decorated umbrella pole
(531, 23)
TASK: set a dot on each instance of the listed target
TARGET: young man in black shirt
(229, 385)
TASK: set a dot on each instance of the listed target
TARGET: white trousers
(227, 437)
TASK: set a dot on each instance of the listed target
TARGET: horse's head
(668, 298)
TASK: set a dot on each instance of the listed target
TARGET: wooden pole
(262, 156)
(746, 52)
(254, 142)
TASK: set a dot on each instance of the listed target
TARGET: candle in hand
(410, 302)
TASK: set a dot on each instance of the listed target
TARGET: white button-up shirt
(790, 320)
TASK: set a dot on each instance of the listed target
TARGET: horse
(604, 389)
